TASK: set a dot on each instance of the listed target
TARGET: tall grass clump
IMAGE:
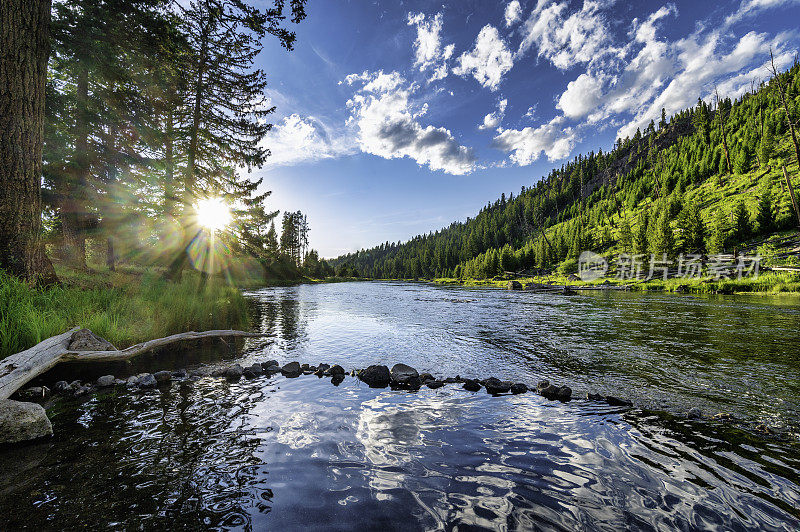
(126, 310)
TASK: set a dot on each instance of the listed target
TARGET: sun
(213, 213)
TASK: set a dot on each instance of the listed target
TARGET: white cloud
(552, 139)
(429, 53)
(488, 61)
(566, 40)
(386, 120)
(493, 120)
(581, 97)
(751, 7)
(513, 12)
(296, 140)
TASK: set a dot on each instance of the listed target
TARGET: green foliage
(742, 228)
(765, 217)
(640, 238)
(692, 232)
(719, 235)
(663, 241)
(123, 308)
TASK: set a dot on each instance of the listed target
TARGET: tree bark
(24, 49)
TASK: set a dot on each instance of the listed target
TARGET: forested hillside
(704, 180)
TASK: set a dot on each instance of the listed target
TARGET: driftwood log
(17, 370)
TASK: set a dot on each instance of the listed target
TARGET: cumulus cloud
(581, 97)
(513, 12)
(493, 120)
(566, 39)
(297, 139)
(488, 61)
(429, 53)
(553, 139)
(387, 123)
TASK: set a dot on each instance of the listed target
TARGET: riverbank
(766, 283)
(127, 306)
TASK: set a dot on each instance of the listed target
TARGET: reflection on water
(276, 453)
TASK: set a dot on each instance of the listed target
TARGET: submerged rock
(616, 401)
(472, 385)
(292, 369)
(434, 384)
(694, 413)
(23, 422)
(562, 393)
(105, 381)
(594, 397)
(376, 376)
(518, 388)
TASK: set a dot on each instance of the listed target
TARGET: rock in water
(253, 370)
(334, 370)
(234, 372)
(34, 393)
(518, 388)
(61, 387)
(146, 380)
(404, 375)
(376, 376)
(495, 386)
(616, 401)
(162, 376)
(86, 340)
(337, 379)
(105, 381)
(269, 363)
(563, 393)
(434, 384)
(514, 285)
(292, 369)
(472, 385)
(23, 422)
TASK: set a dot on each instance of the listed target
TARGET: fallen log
(17, 370)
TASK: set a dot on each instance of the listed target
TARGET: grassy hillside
(707, 180)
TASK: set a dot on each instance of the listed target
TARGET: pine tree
(640, 239)
(719, 235)
(625, 236)
(767, 145)
(691, 229)
(663, 241)
(743, 160)
(742, 229)
(765, 217)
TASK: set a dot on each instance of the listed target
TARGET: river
(280, 453)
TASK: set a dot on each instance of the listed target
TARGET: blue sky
(395, 118)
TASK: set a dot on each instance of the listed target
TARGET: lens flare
(213, 213)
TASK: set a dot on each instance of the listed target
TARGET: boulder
(162, 376)
(694, 413)
(234, 372)
(199, 372)
(594, 397)
(472, 385)
(271, 370)
(376, 376)
(562, 393)
(434, 384)
(179, 374)
(269, 363)
(86, 340)
(404, 375)
(105, 381)
(34, 393)
(425, 377)
(495, 386)
(514, 285)
(82, 390)
(292, 369)
(337, 379)
(518, 388)
(542, 385)
(23, 422)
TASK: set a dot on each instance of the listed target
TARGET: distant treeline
(704, 180)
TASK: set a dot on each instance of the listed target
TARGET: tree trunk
(24, 48)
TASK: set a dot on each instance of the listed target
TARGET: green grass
(766, 283)
(125, 307)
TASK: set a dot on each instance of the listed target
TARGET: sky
(396, 118)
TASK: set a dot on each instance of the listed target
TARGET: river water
(277, 453)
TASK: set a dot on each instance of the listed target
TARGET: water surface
(277, 453)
